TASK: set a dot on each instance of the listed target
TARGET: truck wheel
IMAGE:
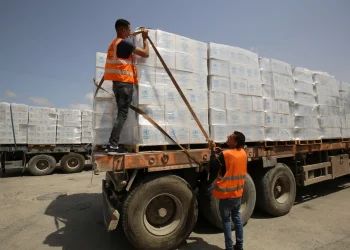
(209, 205)
(72, 163)
(41, 165)
(160, 213)
(276, 190)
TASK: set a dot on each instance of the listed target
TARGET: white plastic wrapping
(199, 82)
(307, 134)
(231, 101)
(238, 71)
(180, 133)
(200, 66)
(202, 115)
(216, 100)
(101, 59)
(184, 61)
(217, 116)
(306, 110)
(329, 133)
(233, 117)
(219, 133)
(254, 88)
(285, 81)
(219, 68)
(200, 50)
(257, 103)
(245, 102)
(146, 75)
(304, 87)
(219, 51)
(184, 44)
(271, 105)
(177, 115)
(150, 95)
(281, 67)
(266, 78)
(169, 57)
(306, 122)
(302, 75)
(328, 100)
(239, 86)
(242, 56)
(165, 40)
(196, 134)
(199, 98)
(219, 84)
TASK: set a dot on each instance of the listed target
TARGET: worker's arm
(145, 51)
(216, 164)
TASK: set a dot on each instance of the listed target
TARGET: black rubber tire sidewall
(135, 205)
(209, 205)
(265, 197)
(37, 172)
(64, 162)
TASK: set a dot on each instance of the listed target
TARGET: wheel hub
(73, 162)
(282, 189)
(42, 164)
(163, 214)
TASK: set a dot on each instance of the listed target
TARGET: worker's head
(235, 140)
(122, 27)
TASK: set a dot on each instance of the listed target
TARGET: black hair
(240, 139)
(121, 23)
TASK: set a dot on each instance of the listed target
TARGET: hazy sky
(47, 47)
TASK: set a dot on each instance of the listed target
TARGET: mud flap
(110, 213)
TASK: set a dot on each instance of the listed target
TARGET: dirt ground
(64, 211)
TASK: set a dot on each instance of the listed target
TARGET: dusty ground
(31, 218)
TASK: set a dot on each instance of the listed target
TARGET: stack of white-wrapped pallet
(278, 93)
(69, 126)
(307, 125)
(86, 126)
(235, 97)
(344, 93)
(42, 125)
(328, 99)
(19, 120)
(156, 95)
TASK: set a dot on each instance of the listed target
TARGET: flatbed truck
(41, 160)
(156, 194)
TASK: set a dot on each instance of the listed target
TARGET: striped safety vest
(119, 69)
(232, 183)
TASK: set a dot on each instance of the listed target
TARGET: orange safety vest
(119, 69)
(231, 185)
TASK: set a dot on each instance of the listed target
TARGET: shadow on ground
(18, 172)
(79, 222)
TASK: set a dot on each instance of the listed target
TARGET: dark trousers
(229, 208)
(123, 94)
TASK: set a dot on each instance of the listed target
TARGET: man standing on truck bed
(120, 68)
(231, 166)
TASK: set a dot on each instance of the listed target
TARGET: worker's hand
(144, 33)
(218, 150)
(211, 145)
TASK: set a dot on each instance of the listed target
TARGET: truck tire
(209, 205)
(41, 165)
(276, 190)
(159, 213)
(72, 163)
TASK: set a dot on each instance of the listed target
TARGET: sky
(47, 47)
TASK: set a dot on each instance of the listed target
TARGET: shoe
(237, 248)
(114, 150)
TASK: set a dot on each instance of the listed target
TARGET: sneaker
(114, 150)
(237, 247)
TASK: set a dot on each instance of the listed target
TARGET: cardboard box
(219, 84)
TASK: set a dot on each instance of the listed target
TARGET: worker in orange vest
(231, 166)
(120, 68)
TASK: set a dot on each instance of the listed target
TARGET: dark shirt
(216, 164)
(125, 48)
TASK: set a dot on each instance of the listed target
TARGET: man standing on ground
(120, 68)
(231, 166)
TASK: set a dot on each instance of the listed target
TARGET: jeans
(123, 94)
(229, 208)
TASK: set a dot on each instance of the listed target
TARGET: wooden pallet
(41, 145)
(279, 143)
(143, 148)
(333, 140)
(308, 142)
(345, 139)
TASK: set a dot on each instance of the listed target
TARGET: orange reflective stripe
(228, 189)
(231, 178)
(128, 62)
(118, 71)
